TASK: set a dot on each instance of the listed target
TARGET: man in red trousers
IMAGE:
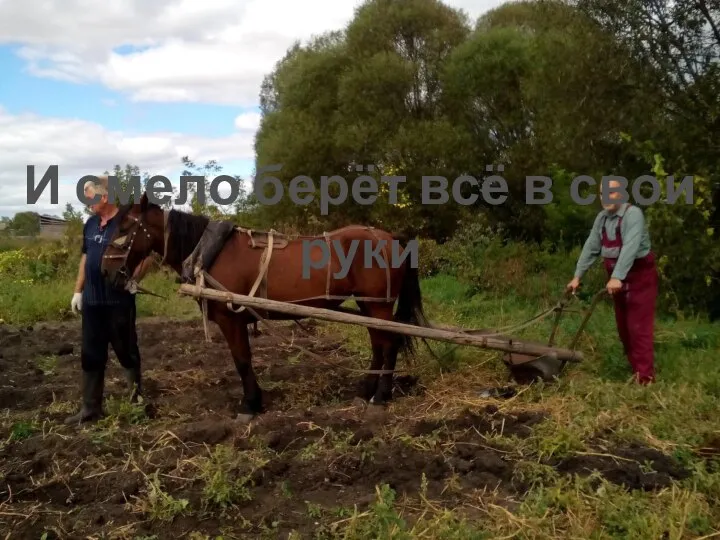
(619, 235)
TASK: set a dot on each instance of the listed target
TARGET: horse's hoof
(244, 418)
(359, 402)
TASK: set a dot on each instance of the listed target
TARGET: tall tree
(366, 96)
(74, 219)
(25, 224)
(539, 88)
(209, 171)
(680, 39)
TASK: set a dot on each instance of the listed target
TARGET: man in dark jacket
(108, 315)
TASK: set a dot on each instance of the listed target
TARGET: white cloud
(249, 120)
(211, 51)
(79, 147)
(189, 50)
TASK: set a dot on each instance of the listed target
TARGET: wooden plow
(525, 359)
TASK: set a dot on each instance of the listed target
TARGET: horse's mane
(185, 233)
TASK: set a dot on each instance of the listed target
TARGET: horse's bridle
(125, 244)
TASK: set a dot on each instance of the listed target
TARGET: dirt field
(181, 465)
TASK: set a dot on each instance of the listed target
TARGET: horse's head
(141, 230)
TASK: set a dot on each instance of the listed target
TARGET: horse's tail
(410, 304)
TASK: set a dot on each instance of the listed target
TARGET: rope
(559, 307)
(511, 328)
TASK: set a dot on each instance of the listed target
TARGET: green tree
(300, 115)
(208, 172)
(74, 219)
(539, 88)
(366, 96)
(680, 40)
(25, 224)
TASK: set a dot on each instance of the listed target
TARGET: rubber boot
(133, 377)
(93, 387)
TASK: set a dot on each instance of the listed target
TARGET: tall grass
(37, 280)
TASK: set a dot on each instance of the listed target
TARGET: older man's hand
(573, 285)
(76, 302)
(614, 285)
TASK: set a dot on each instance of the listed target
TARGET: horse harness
(272, 240)
(123, 244)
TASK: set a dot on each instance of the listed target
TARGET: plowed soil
(181, 463)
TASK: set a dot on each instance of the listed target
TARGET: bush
(40, 260)
(431, 258)
(688, 250)
(493, 266)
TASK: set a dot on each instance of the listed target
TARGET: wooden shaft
(379, 324)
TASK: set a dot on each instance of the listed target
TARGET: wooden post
(507, 345)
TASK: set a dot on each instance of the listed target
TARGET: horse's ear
(144, 202)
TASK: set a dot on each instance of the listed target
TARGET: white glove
(76, 303)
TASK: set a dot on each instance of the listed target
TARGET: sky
(85, 85)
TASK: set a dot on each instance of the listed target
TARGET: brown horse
(146, 227)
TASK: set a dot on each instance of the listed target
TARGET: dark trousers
(109, 325)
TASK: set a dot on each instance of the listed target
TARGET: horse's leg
(384, 390)
(385, 349)
(236, 334)
(368, 386)
(255, 331)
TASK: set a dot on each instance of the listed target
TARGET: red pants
(635, 315)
